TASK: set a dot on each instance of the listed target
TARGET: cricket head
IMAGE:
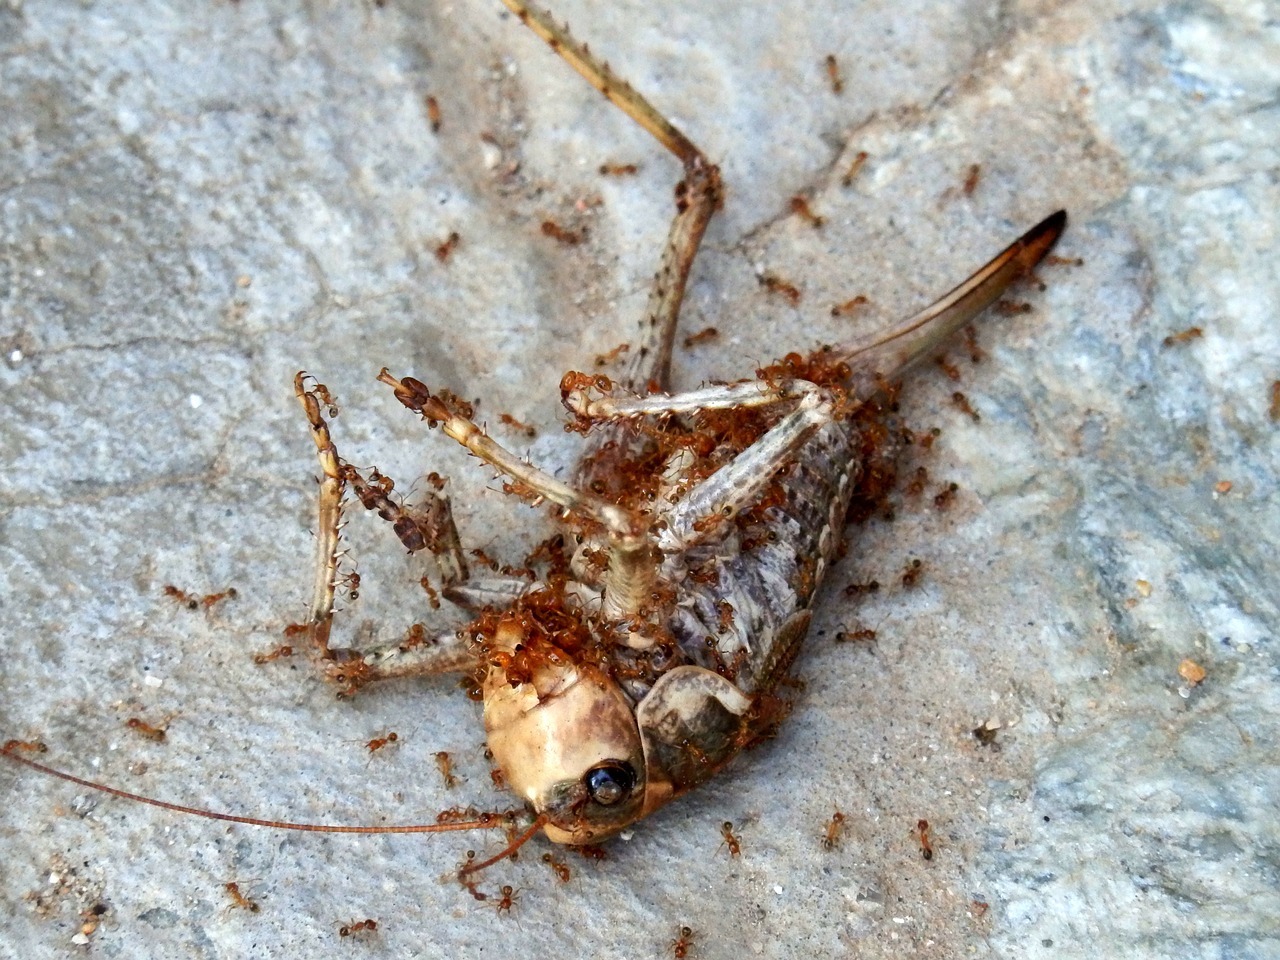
(565, 736)
(584, 755)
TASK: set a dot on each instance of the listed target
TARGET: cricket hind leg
(692, 515)
(731, 488)
(431, 527)
(698, 196)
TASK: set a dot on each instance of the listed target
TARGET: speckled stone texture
(198, 200)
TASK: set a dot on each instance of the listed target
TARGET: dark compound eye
(610, 782)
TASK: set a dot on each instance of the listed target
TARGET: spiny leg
(320, 618)
(450, 651)
(454, 418)
(698, 196)
(598, 74)
(631, 569)
(416, 655)
(695, 514)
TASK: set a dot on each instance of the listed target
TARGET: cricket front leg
(630, 573)
(454, 418)
(431, 527)
(329, 506)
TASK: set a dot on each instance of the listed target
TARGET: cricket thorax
(726, 585)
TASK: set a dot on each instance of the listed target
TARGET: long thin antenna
(484, 821)
(541, 821)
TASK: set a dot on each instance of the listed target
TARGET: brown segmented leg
(697, 198)
(598, 74)
(431, 527)
(457, 424)
(320, 618)
(448, 652)
(740, 482)
(630, 573)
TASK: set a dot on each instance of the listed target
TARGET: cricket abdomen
(739, 597)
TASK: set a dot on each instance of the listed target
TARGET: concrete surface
(153, 155)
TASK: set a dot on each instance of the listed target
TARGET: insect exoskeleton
(694, 537)
(567, 741)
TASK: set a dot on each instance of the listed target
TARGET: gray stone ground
(152, 155)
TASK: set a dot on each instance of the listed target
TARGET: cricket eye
(610, 782)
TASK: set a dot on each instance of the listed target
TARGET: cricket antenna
(482, 822)
(539, 822)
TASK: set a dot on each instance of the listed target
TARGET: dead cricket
(695, 534)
